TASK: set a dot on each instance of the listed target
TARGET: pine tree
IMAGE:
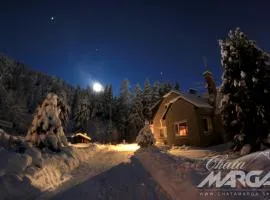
(245, 89)
(125, 95)
(136, 118)
(84, 110)
(165, 88)
(47, 125)
(107, 109)
(123, 109)
(138, 93)
(177, 86)
(147, 99)
(156, 92)
(107, 102)
(145, 137)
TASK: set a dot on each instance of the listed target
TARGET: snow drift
(26, 175)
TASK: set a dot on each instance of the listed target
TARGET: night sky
(111, 40)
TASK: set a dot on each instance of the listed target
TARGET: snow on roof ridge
(83, 135)
(175, 91)
(193, 99)
(153, 106)
(173, 100)
(197, 101)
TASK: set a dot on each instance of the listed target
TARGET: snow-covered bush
(12, 143)
(46, 129)
(145, 137)
(245, 104)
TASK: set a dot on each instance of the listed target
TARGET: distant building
(79, 138)
(187, 118)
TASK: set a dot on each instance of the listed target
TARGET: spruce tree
(107, 100)
(165, 88)
(84, 110)
(245, 89)
(156, 95)
(123, 108)
(177, 86)
(147, 99)
(136, 118)
(145, 137)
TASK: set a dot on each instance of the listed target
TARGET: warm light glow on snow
(97, 87)
(126, 147)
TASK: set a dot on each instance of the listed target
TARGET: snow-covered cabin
(187, 118)
(80, 138)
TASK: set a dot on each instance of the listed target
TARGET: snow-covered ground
(26, 175)
(112, 173)
(102, 171)
(96, 171)
(179, 171)
(200, 153)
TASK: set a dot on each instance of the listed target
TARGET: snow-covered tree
(138, 101)
(107, 102)
(123, 109)
(245, 89)
(147, 92)
(145, 137)
(83, 114)
(147, 99)
(165, 88)
(22, 89)
(136, 118)
(177, 86)
(156, 92)
(125, 95)
(47, 129)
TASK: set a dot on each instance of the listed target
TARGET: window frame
(176, 124)
(209, 120)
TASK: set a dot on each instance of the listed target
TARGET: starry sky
(109, 40)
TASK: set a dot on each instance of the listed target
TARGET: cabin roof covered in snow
(191, 98)
(81, 135)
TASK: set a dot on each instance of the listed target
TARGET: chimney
(211, 87)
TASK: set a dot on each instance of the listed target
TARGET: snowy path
(109, 175)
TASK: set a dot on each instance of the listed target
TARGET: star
(52, 19)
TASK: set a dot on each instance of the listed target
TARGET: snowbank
(200, 153)
(257, 161)
(179, 170)
(25, 175)
(172, 175)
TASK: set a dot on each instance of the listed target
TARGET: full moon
(97, 87)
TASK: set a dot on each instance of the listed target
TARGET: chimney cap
(207, 73)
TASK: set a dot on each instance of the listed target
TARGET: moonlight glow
(97, 87)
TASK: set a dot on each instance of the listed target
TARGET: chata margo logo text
(251, 179)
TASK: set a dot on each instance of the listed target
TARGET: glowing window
(182, 129)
